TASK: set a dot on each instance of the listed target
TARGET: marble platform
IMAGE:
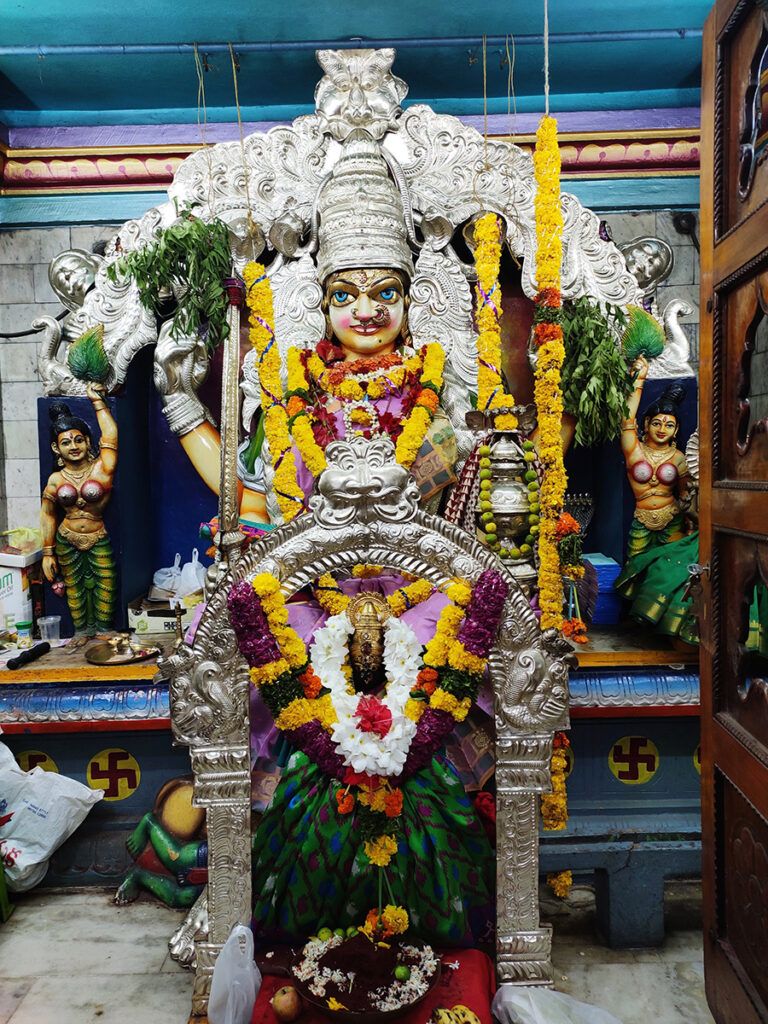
(72, 957)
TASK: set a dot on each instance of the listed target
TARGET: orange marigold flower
(311, 683)
(428, 398)
(429, 688)
(345, 801)
(393, 803)
(549, 297)
(566, 525)
(295, 405)
(427, 675)
(544, 332)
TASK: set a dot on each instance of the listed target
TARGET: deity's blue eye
(387, 294)
(340, 296)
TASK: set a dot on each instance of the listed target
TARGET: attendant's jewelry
(77, 478)
(98, 405)
(184, 412)
(108, 444)
(628, 424)
(48, 549)
(657, 518)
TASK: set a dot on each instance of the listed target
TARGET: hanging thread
(511, 98)
(246, 176)
(546, 58)
(202, 126)
(485, 102)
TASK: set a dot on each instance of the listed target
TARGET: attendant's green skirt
(655, 580)
(91, 581)
(310, 870)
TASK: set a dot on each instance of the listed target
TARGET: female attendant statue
(318, 858)
(75, 540)
(660, 545)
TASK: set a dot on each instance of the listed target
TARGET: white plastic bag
(236, 980)
(168, 577)
(192, 577)
(38, 811)
(514, 1004)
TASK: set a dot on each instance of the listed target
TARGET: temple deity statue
(76, 548)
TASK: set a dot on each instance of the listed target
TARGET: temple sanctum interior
(384, 513)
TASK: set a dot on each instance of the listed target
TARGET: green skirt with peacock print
(91, 580)
(310, 870)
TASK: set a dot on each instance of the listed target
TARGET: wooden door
(734, 509)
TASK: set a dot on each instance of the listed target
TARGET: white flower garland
(367, 751)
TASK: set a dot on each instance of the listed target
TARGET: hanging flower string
(368, 744)
(290, 497)
(490, 390)
(554, 809)
(548, 338)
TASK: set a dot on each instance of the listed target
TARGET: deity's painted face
(366, 310)
(72, 446)
(661, 428)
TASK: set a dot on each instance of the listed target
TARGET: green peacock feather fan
(86, 357)
(644, 335)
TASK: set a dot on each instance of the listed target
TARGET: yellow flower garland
(290, 497)
(547, 391)
(490, 392)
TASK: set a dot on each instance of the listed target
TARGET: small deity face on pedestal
(366, 310)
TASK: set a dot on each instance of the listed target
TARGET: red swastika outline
(114, 773)
(633, 759)
(34, 758)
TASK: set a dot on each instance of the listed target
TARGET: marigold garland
(290, 497)
(554, 809)
(490, 391)
(548, 337)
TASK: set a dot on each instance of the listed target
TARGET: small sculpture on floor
(168, 846)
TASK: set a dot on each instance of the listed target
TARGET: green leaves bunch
(193, 257)
(596, 378)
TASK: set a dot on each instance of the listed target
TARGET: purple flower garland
(256, 643)
(481, 621)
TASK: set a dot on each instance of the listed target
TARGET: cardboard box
(151, 618)
(15, 594)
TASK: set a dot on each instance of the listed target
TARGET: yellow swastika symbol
(634, 760)
(115, 771)
(29, 759)
(569, 761)
(697, 759)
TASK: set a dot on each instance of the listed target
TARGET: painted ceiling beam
(129, 49)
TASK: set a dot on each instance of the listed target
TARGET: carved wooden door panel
(734, 509)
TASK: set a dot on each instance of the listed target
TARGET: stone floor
(72, 957)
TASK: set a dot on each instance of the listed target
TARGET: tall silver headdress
(361, 212)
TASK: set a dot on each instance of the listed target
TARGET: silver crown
(361, 213)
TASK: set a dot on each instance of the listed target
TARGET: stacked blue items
(608, 606)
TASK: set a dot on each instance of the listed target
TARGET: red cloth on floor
(473, 984)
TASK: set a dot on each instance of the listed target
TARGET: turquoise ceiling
(98, 88)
